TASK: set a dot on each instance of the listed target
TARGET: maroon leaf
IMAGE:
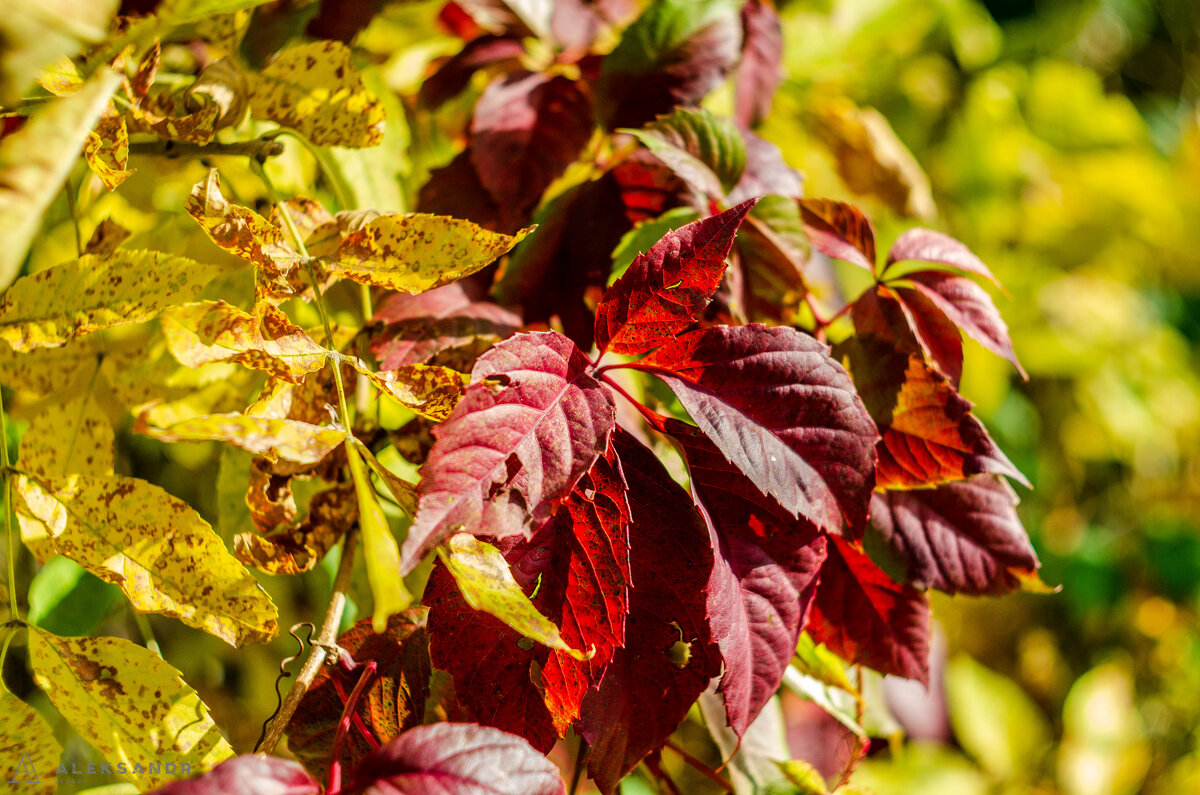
(665, 289)
(763, 581)
(647, 187)
(454, 75)
(652, 682)
(863, 616)
(393, 703)
(926, 245)
(247, 775)
(526, 129)
(760, 71)
(531, 423)
(766, 173)
(459, 758)
(962, 537)
(421, 326)
(913, 325)
(783, 412)
(456, 190)
(840, 230)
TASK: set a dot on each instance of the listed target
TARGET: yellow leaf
(107, 150)
(240, 230)
(428, 390)
(487, 584)
(381, 553)
(36, 33)
(270, 437)
(416, 252)
(56, 305)
(61, 78)
(403, 493)
(130, 704)
(214, 331)
(35, 161)
(315, 90)
(29, 753)
(155, 547)
(47, 371)
(74, 438)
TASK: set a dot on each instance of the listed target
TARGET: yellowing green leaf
(416, 252)
(180, 11)
(107, 150)
(35, 161)
(155, 547)
(270, 437)
(805, 778)
(428, 390)
(36, 33)
(74, 438)
(821, 664)
(130, 704)
(28, 751)
(56, 305)
(315, 90)
(488, 585)
(214, 331)
(380, 550)
(240, 230)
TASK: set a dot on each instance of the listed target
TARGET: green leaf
(36, 159)
(177, 12)
(487, 584)
(29, 753)
(380, 550)
(155, 547)
(820, 663)
(128, 703)
(36, 33)
(804, 777)
(416, 252)
(270, 437)
(74, 438)
(54, 306)
(705, 150)
(66, 600)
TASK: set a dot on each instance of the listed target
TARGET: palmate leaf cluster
(567, 579)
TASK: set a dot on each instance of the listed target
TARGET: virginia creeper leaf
(68, 439)
(669, 654)
(127, 702)
(269, 437)
(462, 758)
(163, 555)
(240, 230)
(420, 327)
(314, 89)
(35, 161)
(863, 616)
(925, 245)
(962, 537)
(840, 230)
(648, 188)
(664, 290)
(531, 423)
(913, 324)
(249, 774)
(455, 190)
(782, 411)
(27, 746)
(766, 172)
(54, 306)
(454, 75)
(417, 252)
(705, 150)
(769, 260)
(760, 70)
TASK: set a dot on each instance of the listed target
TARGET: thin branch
(700, 767)
(259, 149)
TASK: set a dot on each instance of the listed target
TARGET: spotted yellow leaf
(29, 753)
(424, 389)
(74, 438)
(54, 306)
(214, 331)
(106, 238)
(488, 585)
(240, 230)
(155, 547)
(107, 150)
(270, 437)
(403, 493)
(163, 114)
(416, 252)
(315, 90)
(130, 704)
(35, 161)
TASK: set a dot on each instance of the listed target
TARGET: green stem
(4, 653)
(12, 550)
(147, 632)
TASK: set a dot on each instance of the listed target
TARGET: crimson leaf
(962, 537)
(664, 290)
(454, 75)
(459, 758)
(782, 411)
(760, 72)
(247, 775)
(840, 230)
(456, 190)
(910, 321)
(529, 425)
(421, 326)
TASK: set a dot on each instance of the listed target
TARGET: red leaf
(926, 245)
(782, 411)
(840, 230)
(459, 758)
(531, 423)
(247, 775)
(455, 73)
(456, 190)
(763, 581)
(645, 694)
(863, 616)
(393, 703)
(526, 129)
(913, 325)
(421, 326)
(647, 187)
(665, 289)
(962, 537)
(760, 71)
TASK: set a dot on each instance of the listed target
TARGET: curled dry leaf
(107, 150)
(331, 514)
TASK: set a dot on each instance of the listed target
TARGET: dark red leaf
(647, 187)
(459, 758)
(456, 190)
(763, 581)
(840, 230)
(529, 425)
(783, 412)
(526, 129)
(651, 683)
(455, 74)
(393, 703)
(865, 617)
(247, 775)
(666, 288)
(912, 325)
(454, 18)
(673, 54)
(766, 173)
(342, 19)
(421, 326)
(760, 71)
(926, 245)
(962, 537)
